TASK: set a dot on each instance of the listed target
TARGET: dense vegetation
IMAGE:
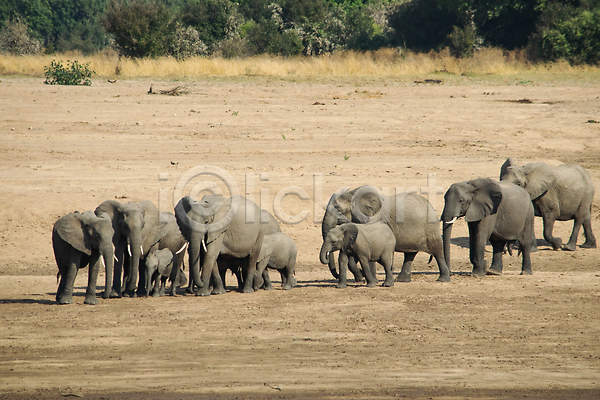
(546, 29)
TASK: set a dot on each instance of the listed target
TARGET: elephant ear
(504, 169)
(366, 202)
(539, 178)
(154, 227)
(487, 196)
(350, 235)
(72, 230)
(183, 220)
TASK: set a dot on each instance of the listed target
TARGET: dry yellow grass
(381, 63)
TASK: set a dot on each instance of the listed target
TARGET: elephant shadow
(28, 301)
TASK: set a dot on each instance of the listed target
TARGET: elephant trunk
(107, 254)
(136, 253)
(330, 220)
(194, 258)
(446, 236)
(324, 254)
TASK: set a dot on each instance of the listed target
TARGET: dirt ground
(70, 148)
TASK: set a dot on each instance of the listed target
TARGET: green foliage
(15, 39)
(214, 20)
(571, 34)
(424, 24)
(361, 30)
(463, 41)
(267, 36)
(73, 74)
(187, 43)
(140, 28)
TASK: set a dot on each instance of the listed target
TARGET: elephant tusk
(116, 259)
(142, 250)
(452, 221)
(204, 245)
(129, 249)
(183, 248)
(103, 263)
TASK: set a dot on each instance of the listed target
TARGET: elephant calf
(159, 264)
(370, 243)
(278, 252)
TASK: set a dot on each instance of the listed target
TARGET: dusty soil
(70, 148)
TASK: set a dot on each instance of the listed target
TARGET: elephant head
(90, 235)
(357, 205)
(474, 200)
(137, 227)
(157, 261)
(339, 238)
(200, 223)
(535, 178)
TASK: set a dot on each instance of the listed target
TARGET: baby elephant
(278, 251)
(369, 243)
(159, 265)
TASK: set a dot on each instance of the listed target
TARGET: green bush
(73, 74)
(462, 41)
(570, 34)
(141, 28)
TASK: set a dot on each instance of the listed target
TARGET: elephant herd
(234, 234)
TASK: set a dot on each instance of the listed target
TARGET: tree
(141, 28)
(213, 19)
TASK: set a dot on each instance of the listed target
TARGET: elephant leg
(353, 267)
(116, 289)
(477, 242)
(66, 296)
(572, 243)
(590, 239)
(218, 287)
(405, 272)
(163, 283)
(366, 266)
(343, 263)
(387, 261)
(556, 242)
(142, 290)
(259, 279)
(373, 267)
(497, 250)
(251, 275)
(526, 264)
(90, 293)
(175, 276)
(266, 280)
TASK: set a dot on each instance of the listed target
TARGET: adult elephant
(215, 226)
(78, 240)
(137, 228)
(559, 193)
(410, 216)
(500, 212)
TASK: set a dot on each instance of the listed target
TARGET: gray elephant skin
(278, 252)
(159, 264)
(78, 240)
(500, 212)
(411, 218)
(370, 243)
(137, 227)
(561, 193)
(220, 227)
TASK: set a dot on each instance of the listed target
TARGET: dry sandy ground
(70, 148)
